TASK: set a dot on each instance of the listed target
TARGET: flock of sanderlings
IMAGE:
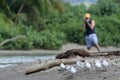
(98, 64)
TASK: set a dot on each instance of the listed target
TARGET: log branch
(12, 39)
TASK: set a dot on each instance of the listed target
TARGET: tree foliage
(103, 7)
(45, 26)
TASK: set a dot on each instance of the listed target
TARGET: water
(6, 61)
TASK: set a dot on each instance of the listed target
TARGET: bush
(69, 23)
(37, 40)
(104, 7)
(52, 39)
(108, 29)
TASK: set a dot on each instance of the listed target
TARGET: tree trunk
(21, 7)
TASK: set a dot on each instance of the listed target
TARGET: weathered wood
(69, 60)
(48, 64)
(105, 53)
(73, 53)
(84, 53)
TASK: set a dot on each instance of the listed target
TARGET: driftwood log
(84, 53)
(48, 64)
(73, 53)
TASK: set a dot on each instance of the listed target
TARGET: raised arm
(83, 25)
(92, 25)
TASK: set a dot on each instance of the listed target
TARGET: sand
(18, 72)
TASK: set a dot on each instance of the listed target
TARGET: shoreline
(40, 51)
(35, 52)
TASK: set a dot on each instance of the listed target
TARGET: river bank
(64, 48)
(41, 51)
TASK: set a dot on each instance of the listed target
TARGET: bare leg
(98, 47)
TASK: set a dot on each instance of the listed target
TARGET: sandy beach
(18, 72)
(64, 48)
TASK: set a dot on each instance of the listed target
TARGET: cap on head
(87, 15)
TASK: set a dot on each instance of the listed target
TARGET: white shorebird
(72, 69)
(80, 64)
(62, 66)
(68, 67)
(87, 65)
(104, 64)
(97, 64)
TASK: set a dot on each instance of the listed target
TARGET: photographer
(90, 35)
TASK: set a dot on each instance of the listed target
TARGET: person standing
(90, 35)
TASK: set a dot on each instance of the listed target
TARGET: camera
(86, 18)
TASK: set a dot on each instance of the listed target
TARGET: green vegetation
(48, 24)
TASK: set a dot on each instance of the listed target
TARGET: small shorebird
(104, 64)
(97, 64)
(80, 64)
(87, 65)
(72, 70)
(68, 67)
(62, 66)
